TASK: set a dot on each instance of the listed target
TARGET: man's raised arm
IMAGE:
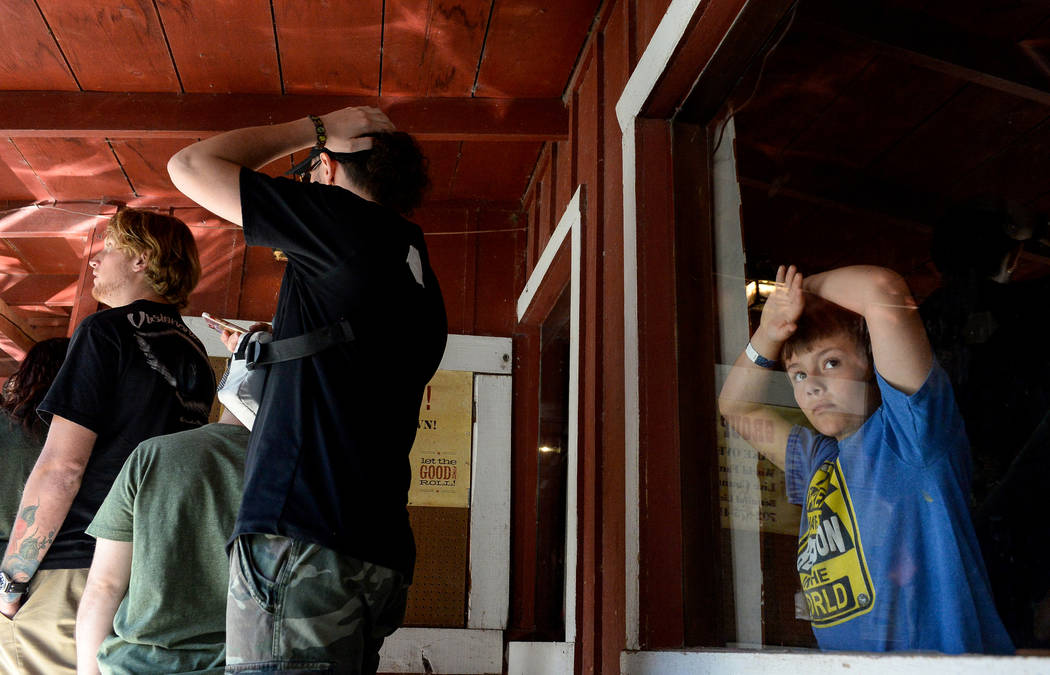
(48, 494)
(208, 172)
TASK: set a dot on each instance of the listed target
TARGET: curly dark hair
(24, 390)
(393, 172)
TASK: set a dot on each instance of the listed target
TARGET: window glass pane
(916, 522)
(551, 473)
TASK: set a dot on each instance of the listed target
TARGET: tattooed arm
(48, 494)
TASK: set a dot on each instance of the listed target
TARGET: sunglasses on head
(301, 171)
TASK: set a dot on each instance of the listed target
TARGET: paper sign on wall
(440, 457)
(758, 497)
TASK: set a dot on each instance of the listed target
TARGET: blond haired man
(132, 372)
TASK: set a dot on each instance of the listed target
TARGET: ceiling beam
(161, 115)
(20, 335)
(919, 39)
(37, 221)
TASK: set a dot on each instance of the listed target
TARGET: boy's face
(834, 385)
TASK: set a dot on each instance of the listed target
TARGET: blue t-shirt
(887, 554)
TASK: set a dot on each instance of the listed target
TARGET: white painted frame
(635, 93)
(559, 657)
(478, 648)
(639, 87)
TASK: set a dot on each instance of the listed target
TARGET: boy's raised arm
(740, 400)
(898, 339)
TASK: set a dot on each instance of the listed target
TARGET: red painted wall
(591, 158)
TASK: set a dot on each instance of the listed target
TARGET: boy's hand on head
(784, 306)
(345, 126)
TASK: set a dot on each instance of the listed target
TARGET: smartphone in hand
(221, 324)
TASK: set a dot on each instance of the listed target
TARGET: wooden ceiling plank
(29, 57)
(785, 104)
(332, 47)
(159, 115)
(52, 255)
(872, 115)
(549, 32)
(112, 45)
(1010, 21)
(405, 27)
(222, 47)
(17, 330)
(76, 166)
(39, 221)
(30, 290)
(145, 164)
(970, 129)
(433, 49)
(818, 181)
(918, 39)
(26, 183)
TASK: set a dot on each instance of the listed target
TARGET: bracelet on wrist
(10, 587)
(758, 359)
(322, 134)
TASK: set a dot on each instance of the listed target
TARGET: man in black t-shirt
(132, 372)
(327, 473)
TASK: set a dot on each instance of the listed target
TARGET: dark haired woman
(22, 432)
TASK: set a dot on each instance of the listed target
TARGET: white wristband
(758, 359)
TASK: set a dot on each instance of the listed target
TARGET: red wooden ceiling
(479, 81)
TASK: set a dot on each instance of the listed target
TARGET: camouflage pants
(296, 607)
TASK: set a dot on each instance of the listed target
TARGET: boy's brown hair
(822, 319)
(173, 267)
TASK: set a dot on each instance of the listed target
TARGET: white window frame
(527, 658)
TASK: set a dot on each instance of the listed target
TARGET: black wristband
(9, 586)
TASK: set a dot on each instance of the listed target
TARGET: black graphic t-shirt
(131, 373)
(328, 456)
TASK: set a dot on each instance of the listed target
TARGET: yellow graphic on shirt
(831, 563)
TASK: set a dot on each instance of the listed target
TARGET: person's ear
(140, 262)
(328, 169)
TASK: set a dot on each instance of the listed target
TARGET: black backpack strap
(265, 350)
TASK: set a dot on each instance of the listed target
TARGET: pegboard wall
(438, 595)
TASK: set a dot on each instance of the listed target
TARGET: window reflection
(834, 152)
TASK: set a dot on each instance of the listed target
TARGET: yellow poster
(440, 457)
(751, 490)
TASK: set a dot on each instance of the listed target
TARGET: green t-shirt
(18, 452)
(176, 500)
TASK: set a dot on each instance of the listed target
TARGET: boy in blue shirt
(887, 555)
